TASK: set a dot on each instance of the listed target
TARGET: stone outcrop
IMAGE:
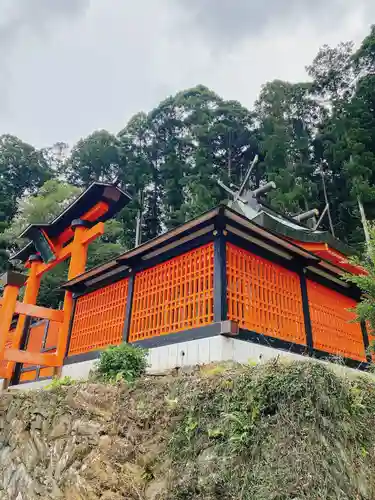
(72, 443)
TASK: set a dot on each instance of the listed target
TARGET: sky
(69, 67)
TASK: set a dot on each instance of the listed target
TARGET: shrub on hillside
(279, 431)
(366, 282)
(124, 362)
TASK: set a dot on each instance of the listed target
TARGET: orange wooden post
(13, 282)
(77, 266)
(30, 297)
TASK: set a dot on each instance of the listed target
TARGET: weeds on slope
(273, 432)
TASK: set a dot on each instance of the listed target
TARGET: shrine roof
(114, 198)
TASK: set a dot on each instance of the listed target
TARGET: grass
(278, 431)
(58, 383)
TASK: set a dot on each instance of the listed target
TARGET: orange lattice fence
(264, 297)
(332, 323)
(99, 318)
(174, 296)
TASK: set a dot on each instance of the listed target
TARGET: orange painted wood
(96, 211)
(34, 344)
(264, 297)
(6, 367)
(92, 215)
(99, 318)
(39, 312)
(6, 314)
(31, 358)
(28, 376)
(35, 338)
(65, 236)
(77, 266)
(91, 234)
(46, 372)
(53, 334)
(30, 297)
(337, 258)
(333, 322)
(54, 247)
(174, 296)
(77, 250)
(61, 255)
(65, 252)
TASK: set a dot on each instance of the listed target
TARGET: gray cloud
(227, 22)
(72, 66)
(34, 16)
(22, 19)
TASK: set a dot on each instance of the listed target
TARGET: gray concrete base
(78, 371)
(193, 353)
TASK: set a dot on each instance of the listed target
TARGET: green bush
(124, 362)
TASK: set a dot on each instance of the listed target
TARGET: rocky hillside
(277, 431)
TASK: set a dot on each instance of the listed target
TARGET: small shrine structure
(239, 280)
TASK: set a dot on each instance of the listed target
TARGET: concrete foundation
(190, 354)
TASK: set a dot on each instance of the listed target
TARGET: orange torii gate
(68, 236)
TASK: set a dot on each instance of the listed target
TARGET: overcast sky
(68, 67)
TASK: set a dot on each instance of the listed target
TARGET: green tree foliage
(332, 73)
(139, 175)
(332, 86)
(176, 153)
(345, 138)
(222, 144)
(288, 114)
(4, 250)
(366, 282)
(107, 246)
(361, 125)
(52, 198)
(224, 140)
(55, 157)
(364, 58)
(95, 158)
(23, 170)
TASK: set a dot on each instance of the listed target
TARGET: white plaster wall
(78, 371)
(193, 353)
(209, 350)
(185, 354)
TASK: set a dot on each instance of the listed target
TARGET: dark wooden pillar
(306, 313)
(220, 276)
(128, 309)
(366, 342)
